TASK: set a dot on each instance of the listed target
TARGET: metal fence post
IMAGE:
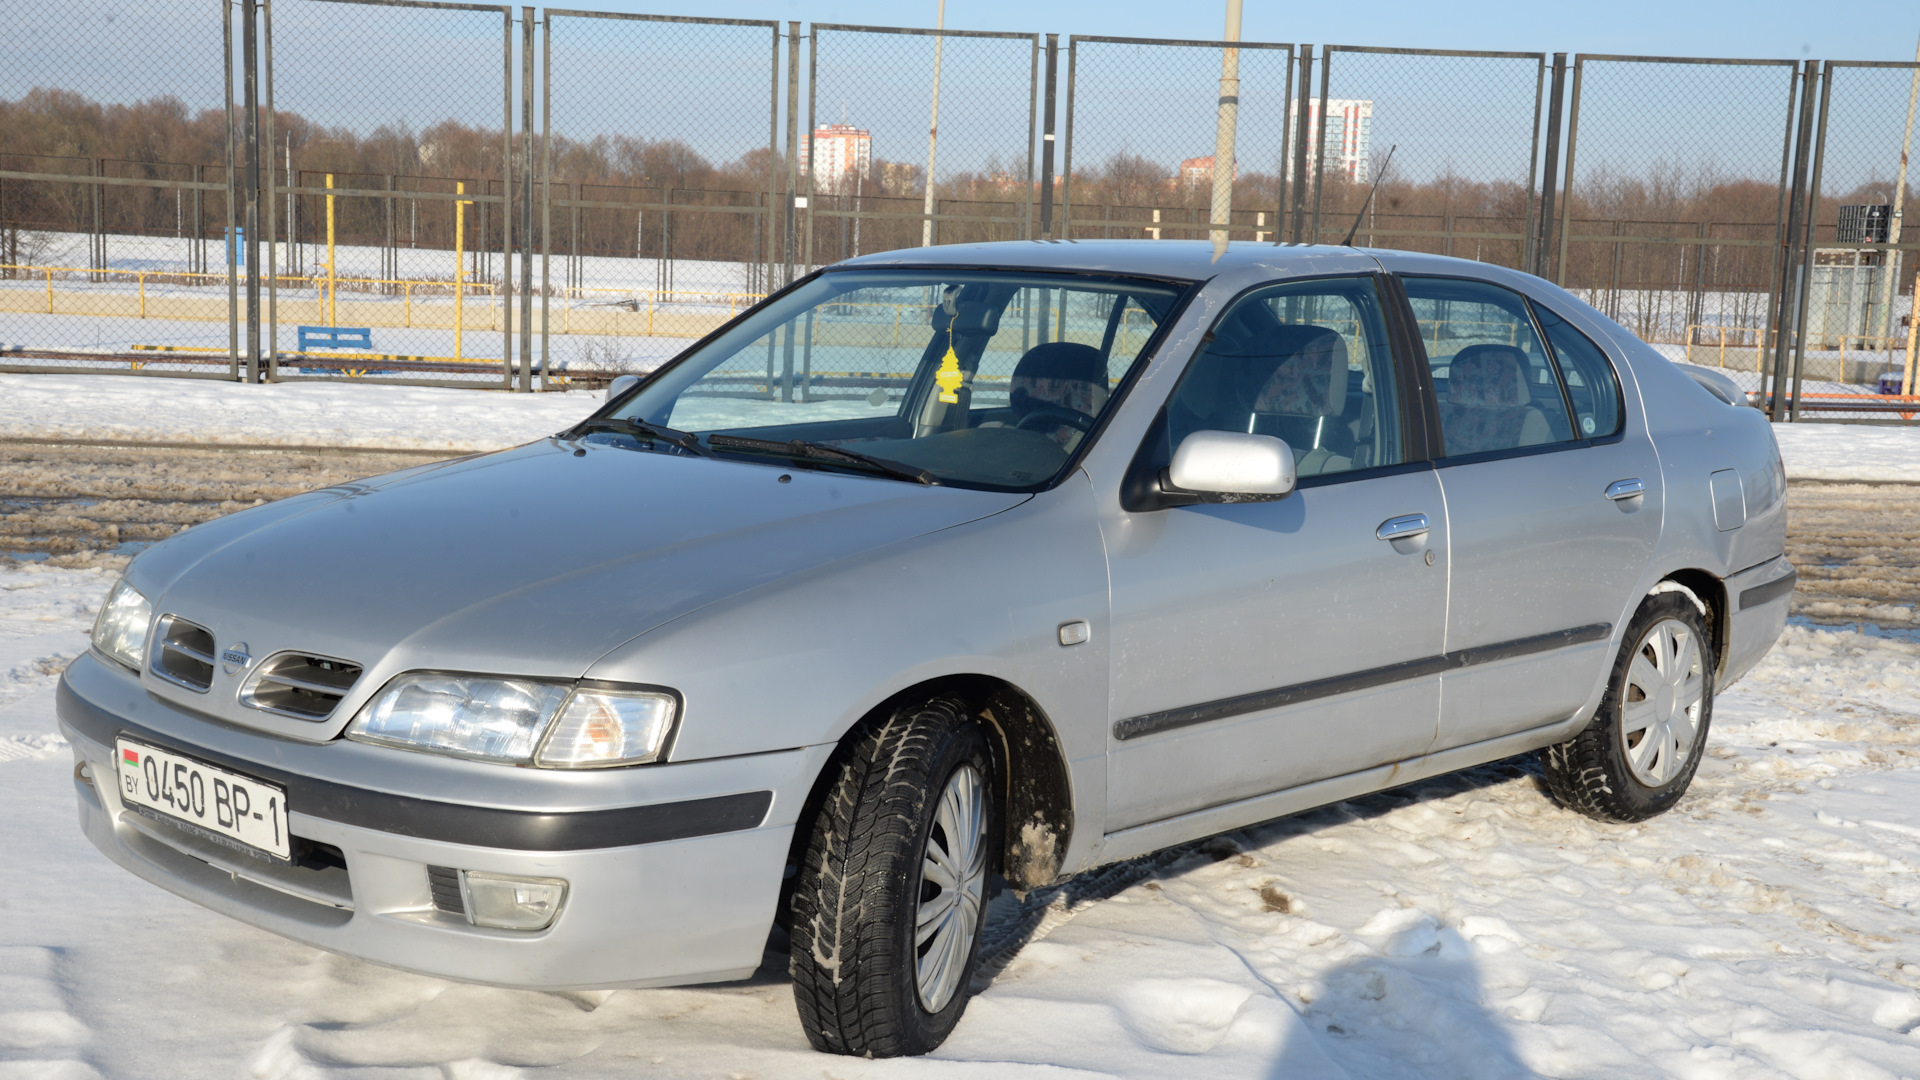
(250, 79)
(813, 162)
(1792, 278)
(1566, 187)
(1302, 111)
(1529, 227)
(506, 200)
(526, 202)
(546, 199)
(1065, 228)
(1543, 247)
(233, 298)
(273, 254)
(1047, 139)
(1033, 107)
(1808, 237)
(773, 161)
(1320, 145)
(793, 136)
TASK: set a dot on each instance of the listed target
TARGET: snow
(1463, 927)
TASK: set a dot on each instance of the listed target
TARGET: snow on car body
(1099, 547)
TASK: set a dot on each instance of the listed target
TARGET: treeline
(720, 209)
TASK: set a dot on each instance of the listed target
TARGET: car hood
(535, 561)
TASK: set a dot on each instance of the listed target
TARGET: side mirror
(1232, 466)
(621, 385)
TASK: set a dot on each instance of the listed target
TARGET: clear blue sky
(1773, 29)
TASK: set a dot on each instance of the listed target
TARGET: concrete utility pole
(1890, 289)
(933, 126)
(1223, 137)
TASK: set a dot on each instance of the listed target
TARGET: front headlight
(120, 631)
(517, 721)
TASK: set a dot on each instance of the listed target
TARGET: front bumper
(1757, 602)
(673, 871)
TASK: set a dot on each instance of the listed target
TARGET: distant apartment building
(844, 153)
(1349, 134)
(1198, 172)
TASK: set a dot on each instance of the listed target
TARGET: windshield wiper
(800, 448)
(641, 429)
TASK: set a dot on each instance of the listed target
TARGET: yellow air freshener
(949, 377)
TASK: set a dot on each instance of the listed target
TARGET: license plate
(230, 807)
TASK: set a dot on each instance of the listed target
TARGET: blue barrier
(336, 337)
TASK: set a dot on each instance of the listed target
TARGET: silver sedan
(939, 570)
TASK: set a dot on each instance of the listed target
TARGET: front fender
(800, 661)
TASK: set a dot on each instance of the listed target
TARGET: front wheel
(887, 908)
(1638, 756)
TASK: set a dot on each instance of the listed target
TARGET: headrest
(1488, 376)
(1064, 373)
(1301, 371)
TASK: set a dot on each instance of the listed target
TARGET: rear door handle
(1401, 528)
(1626, 489)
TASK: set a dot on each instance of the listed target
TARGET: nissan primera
(939, 569)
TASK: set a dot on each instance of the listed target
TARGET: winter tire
(1638, 756)
(887, 908)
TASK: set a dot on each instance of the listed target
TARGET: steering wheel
(1049, 416)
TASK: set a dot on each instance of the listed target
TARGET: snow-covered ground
(1463, 927)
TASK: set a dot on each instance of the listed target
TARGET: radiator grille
(183, 653)
(444, 881)
(301, 686)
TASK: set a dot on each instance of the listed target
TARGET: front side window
(972, 377)
(1307, 362)
(1496, 382)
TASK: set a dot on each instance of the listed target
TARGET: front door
(1262, 645)
(1545, 550)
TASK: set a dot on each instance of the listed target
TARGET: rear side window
(1494, 378)
(1591, 385)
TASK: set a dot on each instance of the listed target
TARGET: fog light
(505, 902)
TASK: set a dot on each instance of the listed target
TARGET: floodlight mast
(1223, 133)
(1889, 289)
(933, 125)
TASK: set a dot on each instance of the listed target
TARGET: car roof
(1189, 260)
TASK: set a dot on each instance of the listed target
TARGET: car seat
(1059, 374)
(1489, 404)
(1296, 388)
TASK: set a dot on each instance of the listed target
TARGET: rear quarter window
(1592, 387)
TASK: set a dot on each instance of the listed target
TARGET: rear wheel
(887, 908)
(1638, 756)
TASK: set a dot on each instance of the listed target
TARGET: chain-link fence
(897, 156)
(669, 172)
(1139, 149)
(389, 203)
(656, 224)
(1855, 305)
(1674, 216)
(1451, 137)
(114, 214)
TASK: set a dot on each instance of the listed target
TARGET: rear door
(1544, 549)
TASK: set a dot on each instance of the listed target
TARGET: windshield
(980, 378)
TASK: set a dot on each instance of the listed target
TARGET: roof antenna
(1379, 176)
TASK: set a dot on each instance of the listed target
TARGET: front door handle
(1401, 528)
(1626, 489)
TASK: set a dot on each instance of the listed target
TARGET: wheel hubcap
(1660, 702)
(953, 877)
